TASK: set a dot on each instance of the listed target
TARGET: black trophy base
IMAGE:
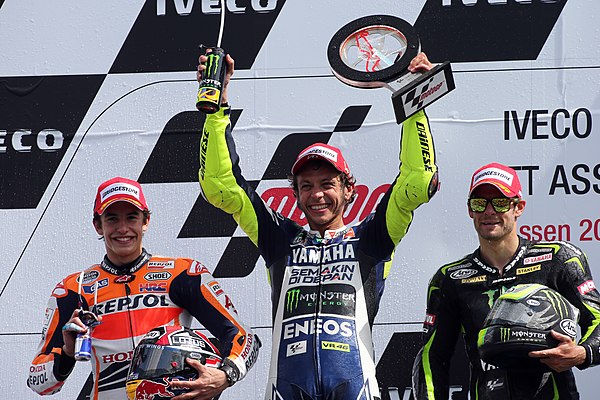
(421, 89)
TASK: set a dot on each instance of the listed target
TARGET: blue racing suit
(325, 289)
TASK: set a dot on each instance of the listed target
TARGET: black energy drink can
(211, 85)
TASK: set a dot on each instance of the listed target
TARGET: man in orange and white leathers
(131, 292)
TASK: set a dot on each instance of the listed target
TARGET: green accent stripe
(431, 289)
(427, 368)
(577, 261)
(520, 292)
(387, 266)
(594, 326)
(219, 182)
(555, 386)
(481, 337)
(556, 302)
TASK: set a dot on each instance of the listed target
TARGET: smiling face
(322, 196)
(122, 226)
(491, 225)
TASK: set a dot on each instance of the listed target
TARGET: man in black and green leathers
(461, 294)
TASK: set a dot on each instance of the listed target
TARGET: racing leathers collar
(328, 234)
(128, 268)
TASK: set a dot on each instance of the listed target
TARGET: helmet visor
(511, 313)
(542, 316)
(151, 361)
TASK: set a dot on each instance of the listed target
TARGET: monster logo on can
(212, 63)
(211, 85)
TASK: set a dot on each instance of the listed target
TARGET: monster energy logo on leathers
(291, 300)
(334, 299)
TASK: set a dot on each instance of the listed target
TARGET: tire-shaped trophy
(375, 51)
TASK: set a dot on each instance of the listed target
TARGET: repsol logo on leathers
(132, 303)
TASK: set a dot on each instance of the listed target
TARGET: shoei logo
(157, 276)
(569, 327)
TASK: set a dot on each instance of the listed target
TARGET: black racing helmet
(159, 358)
(520, 321)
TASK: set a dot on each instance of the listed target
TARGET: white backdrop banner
(90, 90)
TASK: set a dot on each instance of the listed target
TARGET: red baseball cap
(502, 177)
(325, 152)
(119, 189)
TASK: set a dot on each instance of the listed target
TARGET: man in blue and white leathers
(326, 282)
